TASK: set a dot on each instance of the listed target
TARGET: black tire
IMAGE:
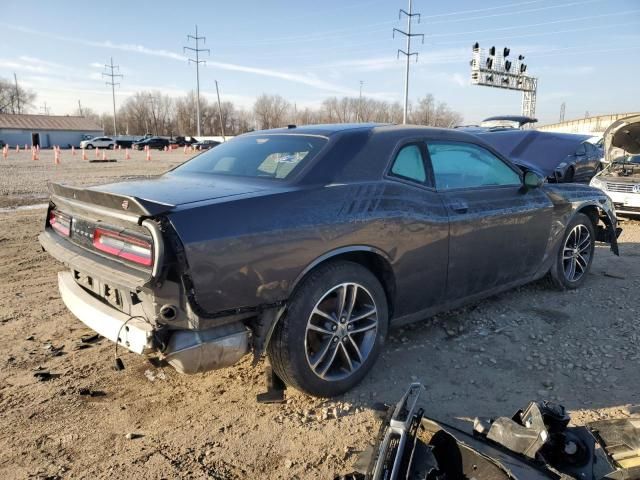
(90, 146)
(290, 344)
(560, 277)
(110, 147)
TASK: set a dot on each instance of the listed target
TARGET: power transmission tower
(45, 109)
(112, 75)
(197, 61)
(408, 53)
(220, 112)
(563, 107)
(80, 108)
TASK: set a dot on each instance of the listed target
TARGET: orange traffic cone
(25, 146)
(73, 151)
(56, 156)
(185, 149)
(104, 155)
(127, 156)
(97, 153)
(34, 154)
(17, 148)
(148, 154)
(84, 154)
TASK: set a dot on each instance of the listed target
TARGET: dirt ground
(579, 348)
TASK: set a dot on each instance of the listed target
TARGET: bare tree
(15, 100)
(271, 111)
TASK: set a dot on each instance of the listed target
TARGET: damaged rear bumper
(188, 351)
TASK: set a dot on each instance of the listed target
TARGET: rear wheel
(90, 146)
(575, 254)
(332, 332)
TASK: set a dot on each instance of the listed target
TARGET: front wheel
(332, 331)
(575, 254)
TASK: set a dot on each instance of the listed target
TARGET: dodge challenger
(307, 243)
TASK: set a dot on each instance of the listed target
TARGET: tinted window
(464, 165)
(409, 164)
(270, 156)
(582, 149)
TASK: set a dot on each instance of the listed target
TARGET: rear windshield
(268, 156)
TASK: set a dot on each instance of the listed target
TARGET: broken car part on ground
(535, 444)
(306, 243)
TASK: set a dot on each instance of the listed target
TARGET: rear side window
(268, 156)
(465, 165)
(409, 164)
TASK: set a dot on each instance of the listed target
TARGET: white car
(620, 179)
(98, 142)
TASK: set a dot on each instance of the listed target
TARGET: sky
(582, 51)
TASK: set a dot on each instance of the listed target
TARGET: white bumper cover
(136, 335)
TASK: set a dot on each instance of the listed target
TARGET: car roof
(377, 129)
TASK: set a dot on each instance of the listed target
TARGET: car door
(417, 231)
(498, 230)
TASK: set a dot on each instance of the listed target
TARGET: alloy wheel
(341, 331)
(576, 253)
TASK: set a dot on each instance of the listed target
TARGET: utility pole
(197, 61)
(111, 73)
(80, 108)
(408, 53)
(15, 79)
(360, 102)
(220, 112)
(562, 110)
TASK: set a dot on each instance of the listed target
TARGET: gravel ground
(24, 182)
(579, 348)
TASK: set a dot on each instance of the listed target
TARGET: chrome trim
(158, 246)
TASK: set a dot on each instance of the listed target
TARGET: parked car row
(153, 142)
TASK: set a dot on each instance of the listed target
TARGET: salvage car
(308, 243)
(559, 157)
(620, 179)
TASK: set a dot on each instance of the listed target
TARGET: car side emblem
(125, 204)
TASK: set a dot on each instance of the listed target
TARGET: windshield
(268, 156)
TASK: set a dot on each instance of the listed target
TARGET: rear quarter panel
(249, 252)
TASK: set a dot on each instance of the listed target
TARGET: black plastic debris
(87, 392)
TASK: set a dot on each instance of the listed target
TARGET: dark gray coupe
(308, 243)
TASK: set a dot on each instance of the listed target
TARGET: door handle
(459, 206)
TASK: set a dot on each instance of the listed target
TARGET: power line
(112, 75)
(197, 61)
(356, 31)
(408, 53)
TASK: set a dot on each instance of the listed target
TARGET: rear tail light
(60, 223)
(129, 248)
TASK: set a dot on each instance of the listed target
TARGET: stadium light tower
(495, 69)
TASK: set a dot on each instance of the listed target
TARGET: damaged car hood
(623, 134)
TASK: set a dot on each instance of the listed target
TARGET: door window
(465, 165)
(409, 164)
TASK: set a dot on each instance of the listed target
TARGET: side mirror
(532, 180)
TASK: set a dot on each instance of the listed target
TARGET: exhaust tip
(168, 312)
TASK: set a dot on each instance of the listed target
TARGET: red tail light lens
(60, 223)
(130, 248)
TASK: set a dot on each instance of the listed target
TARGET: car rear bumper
(188, 351)
(133, 333)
